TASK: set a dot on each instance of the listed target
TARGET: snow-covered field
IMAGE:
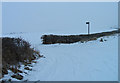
(90, 61)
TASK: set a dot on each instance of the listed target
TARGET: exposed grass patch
(67, 39)
(17, 76)
(16, 51)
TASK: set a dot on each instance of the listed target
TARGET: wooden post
(88, 27)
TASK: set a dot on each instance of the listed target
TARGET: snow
(90, 61)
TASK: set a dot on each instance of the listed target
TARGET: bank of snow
(91, 61)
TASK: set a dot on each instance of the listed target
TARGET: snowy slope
(91, 61)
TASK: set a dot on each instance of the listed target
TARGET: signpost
(88, 27)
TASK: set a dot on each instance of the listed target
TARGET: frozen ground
(91, 61)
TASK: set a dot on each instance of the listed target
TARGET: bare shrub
(16, 51)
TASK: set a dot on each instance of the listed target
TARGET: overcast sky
(60, 0)
(34, 17)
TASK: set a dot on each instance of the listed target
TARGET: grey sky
(53, 16)
(60, 0)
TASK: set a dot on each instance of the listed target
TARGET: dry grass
(67, 39)
(14, 52)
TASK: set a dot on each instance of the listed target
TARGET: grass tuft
(16, 51)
